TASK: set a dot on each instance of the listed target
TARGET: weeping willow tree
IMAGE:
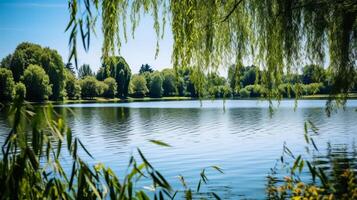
(276, 35)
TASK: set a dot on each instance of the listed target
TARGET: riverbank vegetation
(46, 77)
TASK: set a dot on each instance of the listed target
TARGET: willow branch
(233, 9)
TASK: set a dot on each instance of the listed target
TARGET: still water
(240, 136)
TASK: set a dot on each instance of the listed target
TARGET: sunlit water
(239, 136)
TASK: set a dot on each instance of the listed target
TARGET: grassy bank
(147, 99)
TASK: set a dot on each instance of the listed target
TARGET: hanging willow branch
(277, 35)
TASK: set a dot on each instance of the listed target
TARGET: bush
(89, 87)
(312, 88)
(287, 90)
(169, 82)
(111, 91)
(38, 87)
(244, 93)
(138, 86)
(73, 87)
(255, 90)
(20, 91)
(6, 85)
(101, 88)
(156, 85)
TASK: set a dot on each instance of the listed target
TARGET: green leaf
(158, 142)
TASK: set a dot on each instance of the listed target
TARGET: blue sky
(44, 21)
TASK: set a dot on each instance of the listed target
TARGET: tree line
(39, 74)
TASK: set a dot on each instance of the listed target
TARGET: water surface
(239, 136)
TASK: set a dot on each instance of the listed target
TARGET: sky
(44, 21)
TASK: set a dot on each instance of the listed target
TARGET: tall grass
(31, 164)
(317, 176)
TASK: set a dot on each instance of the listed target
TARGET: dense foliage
(37, 82)
(278, 36)
(7, 85)
(84, 71)
(89, 87)
(119, 69)
(27, 54)
(138, 86)
(73, 88)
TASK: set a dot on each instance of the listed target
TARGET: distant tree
(249, 76)
(89, 87)
(145, 68)
(7, 85)
(156, 89)
(84, 71)
(20, 91)
(169, 82)
(233, 78)
(181, 88)
(73, 88)
(37, 82)
(53, 65)
(138, 86)
(147, 76)
(6, 62)
(101, 88)
(111, 91)
(244, 93)
(26, 54)
(101, 74)
(118, 68)
(313, 74)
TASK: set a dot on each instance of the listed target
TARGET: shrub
(101, 88)
(244, 93)
(73, 87)
(89, 87)
(6, 85)
(156, 85)
(138, 86)
(20, 91)
(38, 87)
(111, 91)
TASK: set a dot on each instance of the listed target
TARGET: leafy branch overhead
(276, 35)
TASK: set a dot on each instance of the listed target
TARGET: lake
(240, 136)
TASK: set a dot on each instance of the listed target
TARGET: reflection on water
(242, 138)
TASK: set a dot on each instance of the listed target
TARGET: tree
(37, 82)
(101, 88)
(156, 89)
(53, 65)
(73, 88)
(6, 62)
(101, 74)
(169, 82)
(138, 86)
(118, 68)
(281, 32)
(111, 91)
(26, 54)
(145, 68)
(20, 91)
(89, 87)
(313, 74)
(7, 85)
(249, 76)
(233, 78)
(84, 71)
